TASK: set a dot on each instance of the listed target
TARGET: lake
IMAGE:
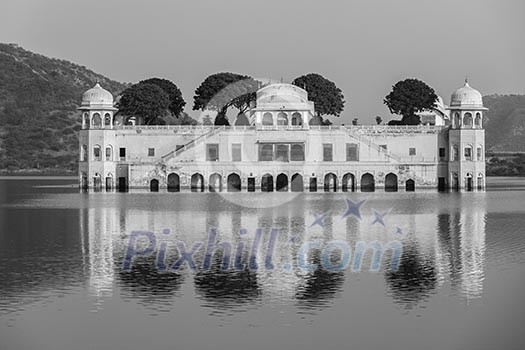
(456, 285)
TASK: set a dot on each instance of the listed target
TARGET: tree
(379, 120)
(177, 103)
(182, 119)
(354, 121)
(146, 102)
(408, 97)
(327, 97)
(242, 119)
(221, 91)
(221, 119)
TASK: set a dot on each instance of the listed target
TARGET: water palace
(281, 151)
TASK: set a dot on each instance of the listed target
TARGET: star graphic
(319, 219)
(399, 231)
(353, 208)
(379, 218)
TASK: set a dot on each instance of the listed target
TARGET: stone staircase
(367, 141)
(196, 141)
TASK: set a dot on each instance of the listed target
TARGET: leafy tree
(221, 91)
(354, 121)
(177, 103)
(408, 97)
(182, 119)
(242, 119)
(327, 97)
(379, 120)
(146, 102)
(221, 119)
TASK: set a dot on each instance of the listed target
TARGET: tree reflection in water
(228, 289)
(321, 286)
(414, 281)
(149, 285)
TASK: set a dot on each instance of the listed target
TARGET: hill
(38, 119)
(505, 123)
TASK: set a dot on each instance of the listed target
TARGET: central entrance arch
(368, 183)
(349, 183)
(281, 183)
(234, 183)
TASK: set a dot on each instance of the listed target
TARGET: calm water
(459, 284)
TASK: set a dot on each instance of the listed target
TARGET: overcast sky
(363, 46)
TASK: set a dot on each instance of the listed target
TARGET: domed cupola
(466, 97)
(97, 97)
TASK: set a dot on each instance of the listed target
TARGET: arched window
(84, 153)
(96, 153)
(85, 120)
(266, 152)
(107, 119)
(267, 119)
(97, 121)
(457, 121)
(282, 118)
(468, 152)
(477, 121)
(297, 119)
(467, 120)
(455, 152)
(479, 153)
(109, 153)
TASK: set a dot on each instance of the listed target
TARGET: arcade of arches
(283, 183)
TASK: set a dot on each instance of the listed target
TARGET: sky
(365, 46)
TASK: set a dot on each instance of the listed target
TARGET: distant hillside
(505, 124)
(38, 118)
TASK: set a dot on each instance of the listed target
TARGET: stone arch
(281, 183)
(282, 118)
(297, 119)
(234, 182)
(197, 183)
(97, 153)
(456, 121)
(96, 120)
(109, 153)
(410, 185)
(330, 182)
(480, 181)
(477, 121)
(297, 183)
(391, 182)
(154, 185)
(368, 183)
(215, 183)
(173, 182)
(267, 183)
(348, 182)
(85, 120)
(267, 119)
(467, 120)
(107, 120)
(84, 153)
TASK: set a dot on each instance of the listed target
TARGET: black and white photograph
(239, 174)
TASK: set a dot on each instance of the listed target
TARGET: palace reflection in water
(443, 247)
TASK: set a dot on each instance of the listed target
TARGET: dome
(466, 96)
(281, 93)
(97, 96)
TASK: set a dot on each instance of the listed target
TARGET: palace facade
(281, 151)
